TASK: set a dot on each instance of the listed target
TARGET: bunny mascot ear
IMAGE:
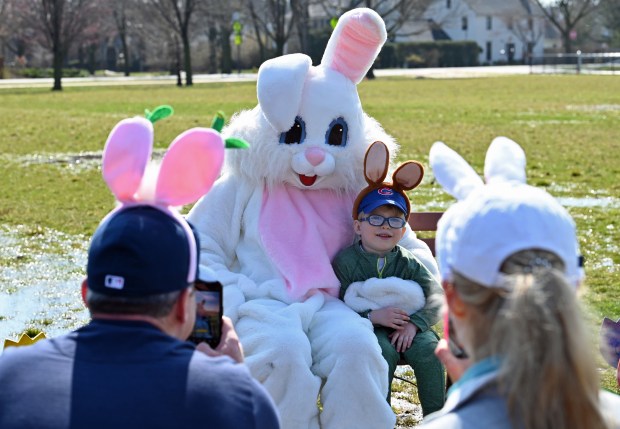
(408, 175)
(376, 163)
(452, 172)
(355, 43)
(279, 88)
(190, 167)
(505, 161)
(126, 155)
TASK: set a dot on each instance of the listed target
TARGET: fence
(577, 63)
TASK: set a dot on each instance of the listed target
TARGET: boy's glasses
(378, 220)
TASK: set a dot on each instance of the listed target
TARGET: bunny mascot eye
(279, 214)
(296, 134)
(337, 133)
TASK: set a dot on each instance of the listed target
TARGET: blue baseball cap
(142, 250)
(382, 197)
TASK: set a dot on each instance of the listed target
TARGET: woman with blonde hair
(510, 266)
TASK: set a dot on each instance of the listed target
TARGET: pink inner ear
(189, 168)
(357, 47)
(376, 163)
(126, 155)
(409, 175)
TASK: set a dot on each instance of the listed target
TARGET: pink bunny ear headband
(407, 176)
(139, 232)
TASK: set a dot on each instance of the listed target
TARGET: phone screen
(209, 309)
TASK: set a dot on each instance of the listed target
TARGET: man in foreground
(131, 367)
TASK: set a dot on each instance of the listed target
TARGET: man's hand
(402, 339)
(390, 317)
(229, 343)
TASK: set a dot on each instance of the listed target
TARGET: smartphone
(209, 310)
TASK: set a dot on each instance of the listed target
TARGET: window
(489, 22)
(489, 51)
(464, 23)
(448, 4)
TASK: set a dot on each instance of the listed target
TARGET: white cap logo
(114, 282)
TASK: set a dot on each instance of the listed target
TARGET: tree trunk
(226, 51)
(280, 47)
(125, 53)
(187, 58)
(57, 48)
(212, 34)
(58, 60)
(568, 43)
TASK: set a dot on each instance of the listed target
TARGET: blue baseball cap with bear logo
(381, 197)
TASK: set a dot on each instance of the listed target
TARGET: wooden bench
(425, 222)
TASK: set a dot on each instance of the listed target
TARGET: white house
(505, 30)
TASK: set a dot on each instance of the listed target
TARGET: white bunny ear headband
(492, 221)
(407, 176)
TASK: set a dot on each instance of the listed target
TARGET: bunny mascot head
(272, 223)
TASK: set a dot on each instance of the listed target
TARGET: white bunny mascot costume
(278, 215)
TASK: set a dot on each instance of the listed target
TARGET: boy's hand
(402, 339)
(390, 317)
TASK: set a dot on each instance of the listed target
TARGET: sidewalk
(431, 73)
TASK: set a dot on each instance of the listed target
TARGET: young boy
(379, 279)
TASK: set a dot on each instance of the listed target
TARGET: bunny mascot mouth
(307, 180)
(313, 164)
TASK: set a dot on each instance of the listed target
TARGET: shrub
(429, 54)
(36, 73)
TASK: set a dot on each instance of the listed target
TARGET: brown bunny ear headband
(406, 177)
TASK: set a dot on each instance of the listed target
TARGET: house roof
(499, 8)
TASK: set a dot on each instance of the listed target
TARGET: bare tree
(529, 34)
(302, 18)
(274, 19)
(396, 13)
(257, 25)
(121, 21)
(60, 23)
(177, 14)
(565, 15)
(610, 10)
(217, 19)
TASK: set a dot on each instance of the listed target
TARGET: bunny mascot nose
(315, 156)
